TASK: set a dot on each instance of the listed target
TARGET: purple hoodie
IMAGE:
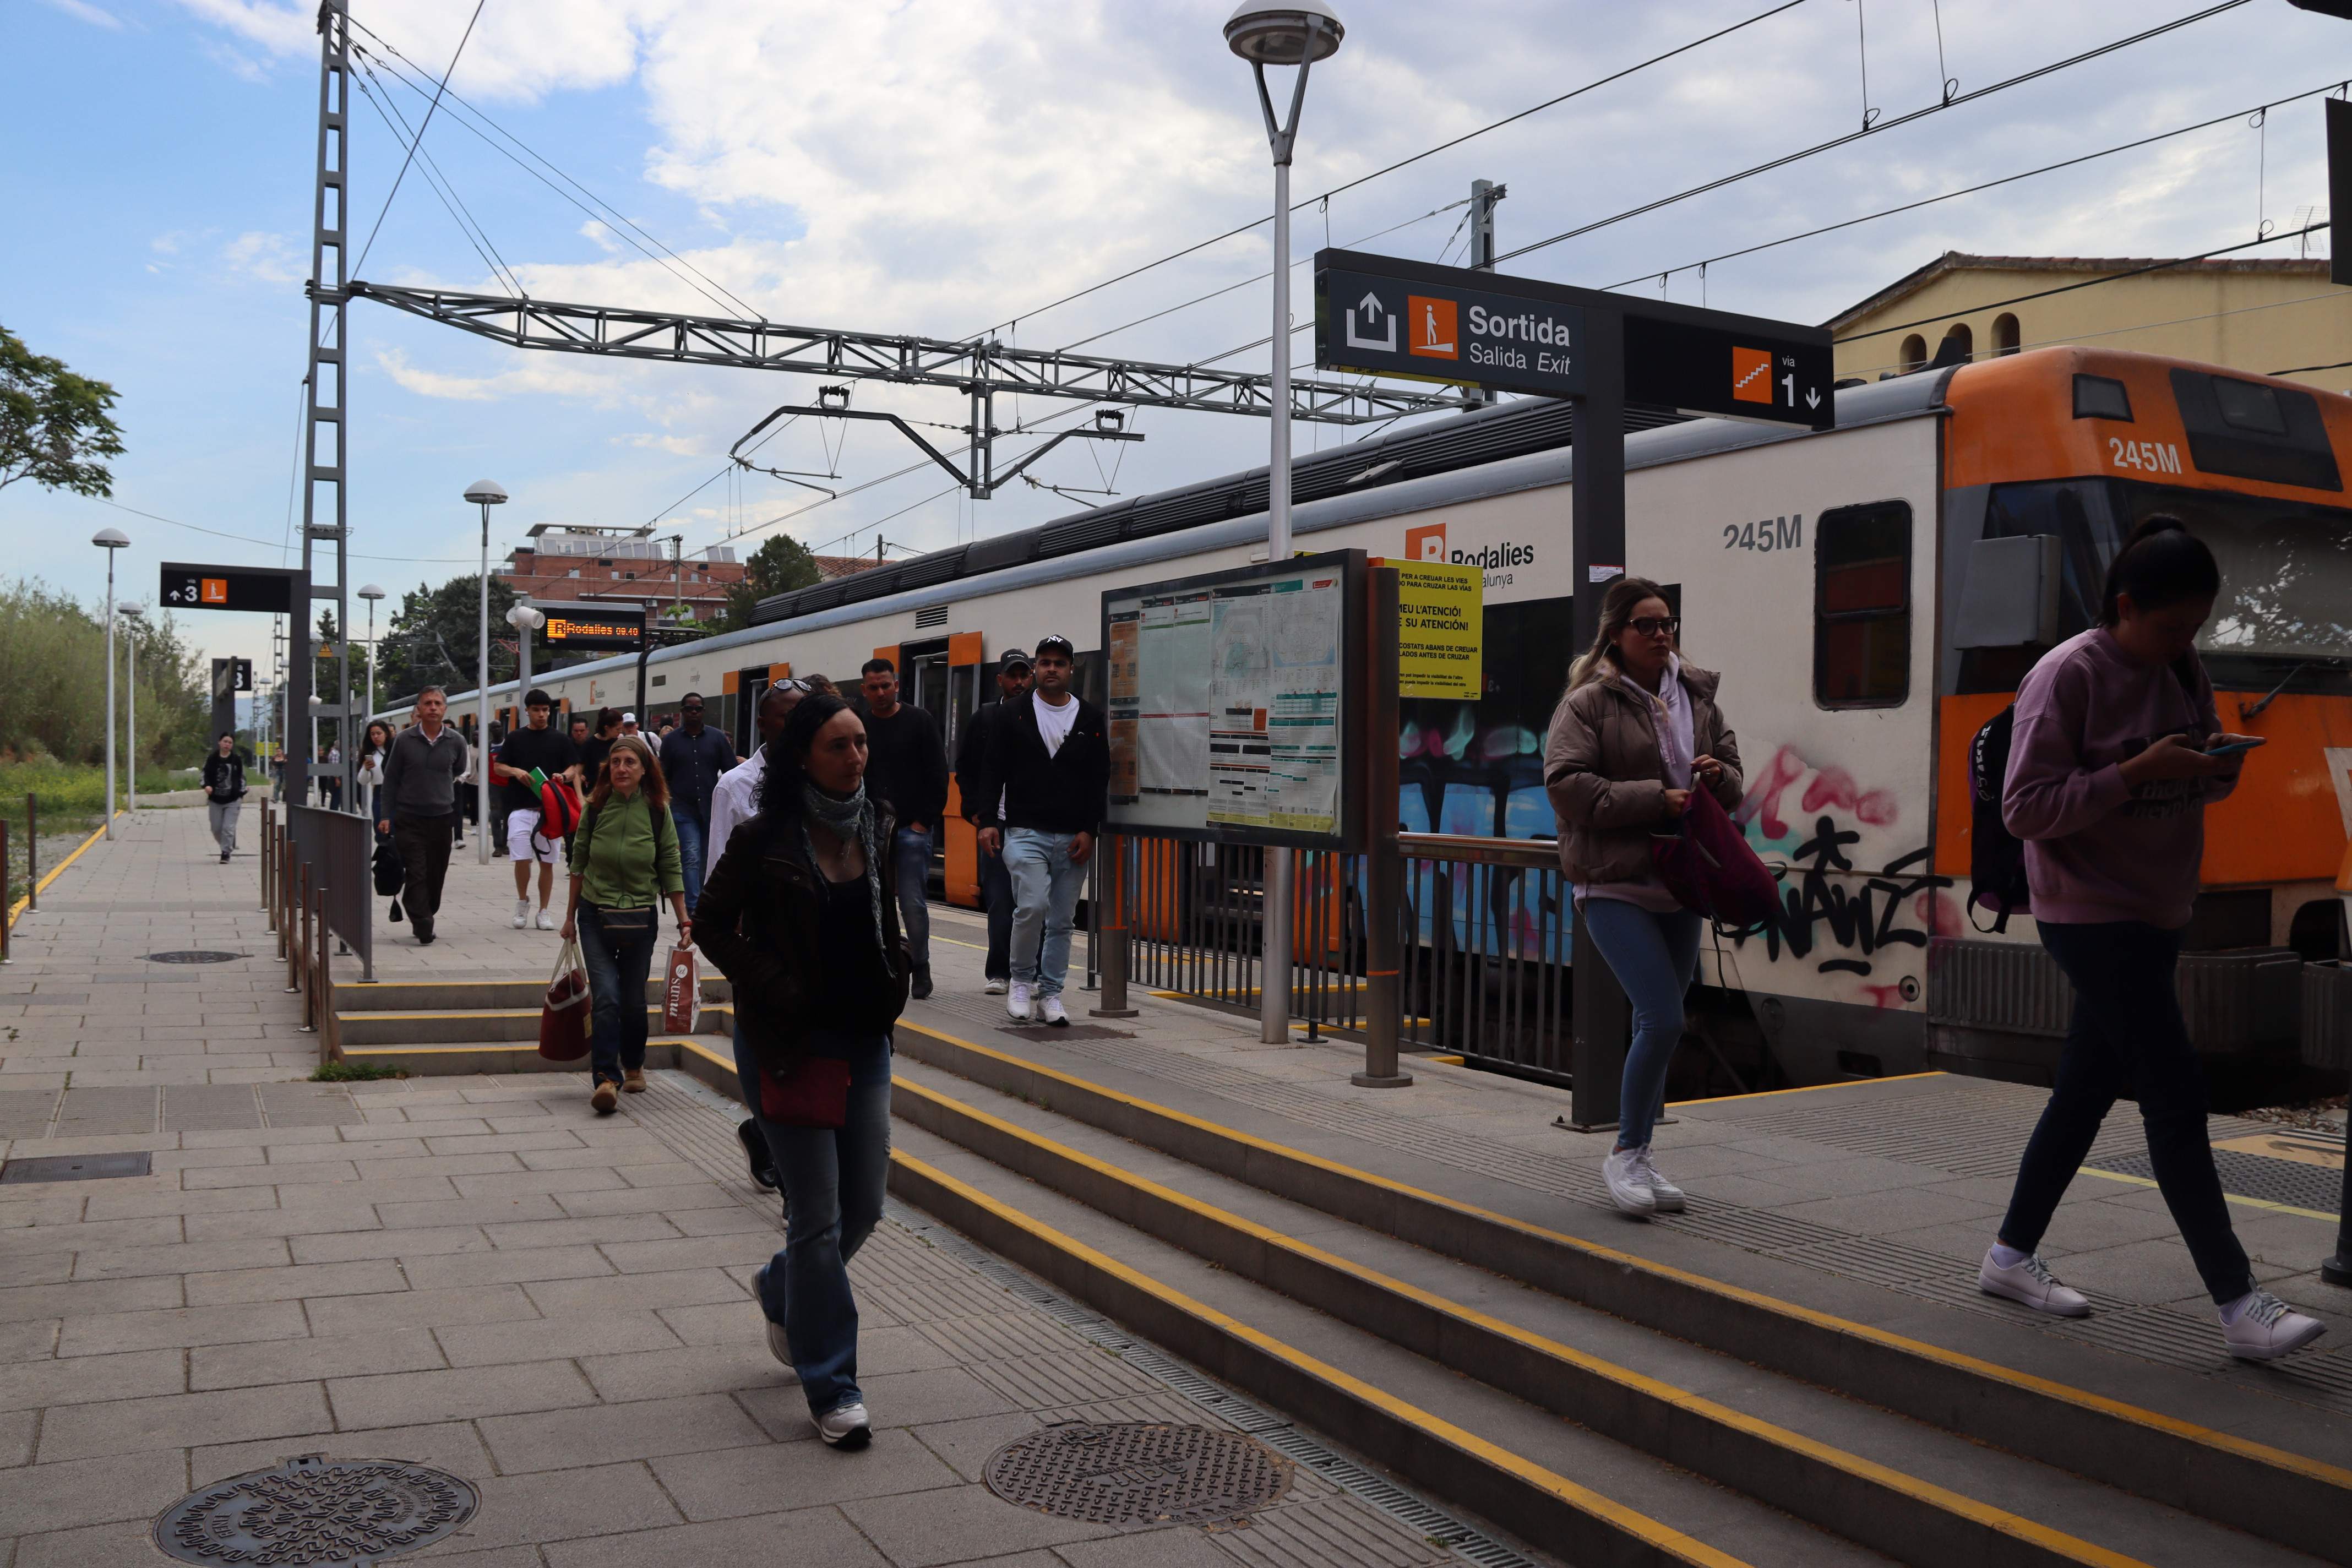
(2095, 848)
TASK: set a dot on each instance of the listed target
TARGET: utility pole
(324, 414)
(1484, 194)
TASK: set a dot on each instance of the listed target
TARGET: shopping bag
(563, 1016)
(681, 993)
(1706, 864)
(811, 1091)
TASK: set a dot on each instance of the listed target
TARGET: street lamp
(137, 614)
(486, 494)
(1296, 34)
(109, 540)
(525, 621)
(370, 593)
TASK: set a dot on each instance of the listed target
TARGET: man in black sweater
(906, 765)
(1050, 755)
(1012, 676)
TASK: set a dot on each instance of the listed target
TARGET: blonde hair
(1617, 606)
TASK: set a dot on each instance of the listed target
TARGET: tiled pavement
(482, 1275)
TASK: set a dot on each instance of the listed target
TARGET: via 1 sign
(1384, 316)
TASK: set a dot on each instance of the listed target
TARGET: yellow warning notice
(1440, 630)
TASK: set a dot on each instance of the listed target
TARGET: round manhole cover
(315, 1509)
(1139, 1473)
(193, 955)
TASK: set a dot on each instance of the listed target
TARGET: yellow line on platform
(55, 872)
(2233, 1197)
(1809, 1088)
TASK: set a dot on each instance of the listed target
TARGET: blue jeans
(617, 967)
(691, 833)
(1046, 887)
(2127, 1036)
(996, 898)
(911, 850)
(1654, 957)
(833, 1180)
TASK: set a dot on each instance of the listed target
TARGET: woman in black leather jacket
(801, 915)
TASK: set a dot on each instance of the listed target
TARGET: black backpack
(1996, 856)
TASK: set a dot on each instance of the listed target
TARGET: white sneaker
(1050, 1009)
(546, 918)
(2028, 1281)
(1668, 1198)
(994, 988)
(1016, 1006)
(1628, 1185)
(779, 1345)
(2267, 1329)
(844, 1426)
(523, 913)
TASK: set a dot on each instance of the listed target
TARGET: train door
(747, 686)
(968, 687)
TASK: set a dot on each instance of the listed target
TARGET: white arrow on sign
(1370, 306)
(1812, 398)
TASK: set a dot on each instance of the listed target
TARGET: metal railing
(314, 852)
(1482, 948)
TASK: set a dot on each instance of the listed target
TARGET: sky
(947, 167)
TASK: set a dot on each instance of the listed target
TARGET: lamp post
(109, 540)
(370, 593)
(1296, 33)
(138, 618)
(486, 494)
(525, 620)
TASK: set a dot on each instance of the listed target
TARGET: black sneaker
(756, 1150)
(922, 981)
(425, 939)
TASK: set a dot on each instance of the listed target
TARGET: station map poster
(1230, 702)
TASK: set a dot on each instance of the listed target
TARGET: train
(1873, 594)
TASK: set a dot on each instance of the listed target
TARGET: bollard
(1111, 860)
(310, 946)
(267, 859)
(32, 850)
(2337, 1270)
(295, 935)
(1384, 867)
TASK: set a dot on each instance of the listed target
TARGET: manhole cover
(1138, 1473)
(350, 1512)
(75, 1167)
(193, 955)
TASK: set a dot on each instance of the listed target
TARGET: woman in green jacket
(625, 861)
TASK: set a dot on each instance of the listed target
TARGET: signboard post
(1382, 316)
(259, 590)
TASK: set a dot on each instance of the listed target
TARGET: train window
(2249, 405)
(1861, 606)
(2101, 397)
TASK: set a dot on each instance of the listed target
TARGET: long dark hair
(2161, 563)
(786, 769)
(1617, 607)
(654, 788)
(367, 739)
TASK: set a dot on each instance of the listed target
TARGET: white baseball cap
(628, 718)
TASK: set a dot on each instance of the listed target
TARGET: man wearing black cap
(1050, 757)
(1012, 676)
(539, 746)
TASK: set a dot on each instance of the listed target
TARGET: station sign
(271, 591)
(231, 676)
(1384, 316)
(573, 629)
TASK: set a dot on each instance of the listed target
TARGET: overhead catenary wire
(249, 539)
(459, 213)
(2336, 294)
(419, 140)
(1971, 190)
(1876, 128)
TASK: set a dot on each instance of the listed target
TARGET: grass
(353, 1072)
(71, 800)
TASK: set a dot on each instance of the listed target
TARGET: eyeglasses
(691, 708)
(1651, 626)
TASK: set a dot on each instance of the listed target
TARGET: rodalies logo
(1427, 541)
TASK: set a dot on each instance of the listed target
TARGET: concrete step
(708, 1058)
(2288, 1498)
(451, 1026)
(1881, 1481)
(470, 995)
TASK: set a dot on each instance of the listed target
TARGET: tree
(53, 424)
(432, 639)
(779, 566)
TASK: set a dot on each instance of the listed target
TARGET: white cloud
(81, 11)
(278, 29)
(270, 258)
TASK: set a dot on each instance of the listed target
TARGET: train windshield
(2287, 566)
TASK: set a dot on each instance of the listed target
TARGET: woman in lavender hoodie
(2110, 767)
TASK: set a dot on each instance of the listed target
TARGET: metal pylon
(323, 444)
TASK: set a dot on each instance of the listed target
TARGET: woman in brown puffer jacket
(1636, 731)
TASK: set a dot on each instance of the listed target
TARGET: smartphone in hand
(2234, 748)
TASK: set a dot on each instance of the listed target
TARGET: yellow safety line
(1928, 1492)
(1809, 1087)
(355, 1014)
(56, 870)
(2233, 1197)
(2314, 1469)
(1663, 1538)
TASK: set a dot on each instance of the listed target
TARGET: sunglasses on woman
(1651, 626)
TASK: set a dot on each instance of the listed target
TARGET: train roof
(1464, 456)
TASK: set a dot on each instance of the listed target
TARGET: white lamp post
(109, 540)
(138, 615)
(486, 494)
(370, 593)
(1295, 33)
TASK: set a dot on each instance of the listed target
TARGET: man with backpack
(539, 746)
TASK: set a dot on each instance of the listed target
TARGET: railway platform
(1416, 1298)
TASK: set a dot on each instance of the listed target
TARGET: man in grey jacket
(420, 804)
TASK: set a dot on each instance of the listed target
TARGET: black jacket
(972, 759)
(1062, 793)
(758, 921)
(906, 765)
(223, 777)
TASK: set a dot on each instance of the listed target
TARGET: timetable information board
(1230, 702)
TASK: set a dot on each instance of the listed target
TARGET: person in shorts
(539, 744)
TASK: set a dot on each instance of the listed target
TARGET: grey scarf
(843, 817)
